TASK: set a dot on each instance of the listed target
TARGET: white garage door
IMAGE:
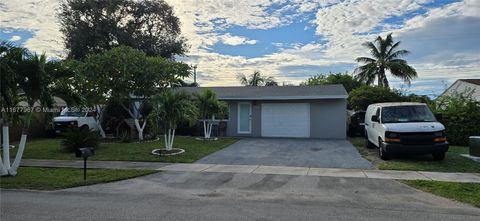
(285, 120)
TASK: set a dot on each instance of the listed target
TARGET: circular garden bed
(164, 152)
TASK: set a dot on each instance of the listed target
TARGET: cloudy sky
(294, 39)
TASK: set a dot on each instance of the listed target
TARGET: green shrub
(460, 116)
(79, 138)
(360, 98)
(125, 137)
(347, 80)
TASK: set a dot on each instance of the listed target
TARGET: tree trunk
(172, 138)
(382, 79)
(99, 122)
(205, 129)
(21, 148)
(137, 122)
(209, 125)
(5, 167)
(5, 164)
(166, 140)
(140, 128)
(169, 137)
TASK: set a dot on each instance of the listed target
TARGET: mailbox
(85, 152)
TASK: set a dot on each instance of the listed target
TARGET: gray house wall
(327, 118)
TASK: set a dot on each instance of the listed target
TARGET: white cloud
(38, 17)
(15, 38)
(228, 39)
(437, 51)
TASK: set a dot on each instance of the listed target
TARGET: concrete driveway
(230, 196)
(290, 152)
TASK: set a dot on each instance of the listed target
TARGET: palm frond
(403, 71)
(366, 73)
(392, 48)
(365, 60)
(373, 49)
(384, 44)
(243, 79)
(398, 54)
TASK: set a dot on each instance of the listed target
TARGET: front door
(244, 118)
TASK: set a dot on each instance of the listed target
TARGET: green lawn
(463, 192)
(59, 178)
(194, 150)
(453, 162)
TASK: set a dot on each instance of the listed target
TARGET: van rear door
(370, 125)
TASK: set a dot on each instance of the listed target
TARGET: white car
(404, 128)
(70, 118)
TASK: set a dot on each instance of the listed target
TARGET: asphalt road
(229, 196)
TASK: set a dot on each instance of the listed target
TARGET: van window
(402, 114)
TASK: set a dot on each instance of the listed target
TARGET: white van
(74, 118)
(404, 128)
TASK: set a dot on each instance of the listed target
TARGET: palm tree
(208, 106)
(171, 108)
(256, 79)
(23, 79)
(385, 56)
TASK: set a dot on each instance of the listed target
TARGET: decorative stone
(164, 152)
(204, 139)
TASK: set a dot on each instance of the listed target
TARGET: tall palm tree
(171, 108)
(385, 56)
(256, 79)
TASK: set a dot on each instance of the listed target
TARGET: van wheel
(381, 151)
(84, 128)
(438, 156)
(368, 144)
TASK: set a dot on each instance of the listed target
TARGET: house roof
(471, 81)
(334, 91)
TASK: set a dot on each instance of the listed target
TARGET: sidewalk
(259, 169)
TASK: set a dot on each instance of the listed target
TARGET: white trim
(285, 97)
(238, 118)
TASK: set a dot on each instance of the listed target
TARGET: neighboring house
(464, 85)
(284, 111)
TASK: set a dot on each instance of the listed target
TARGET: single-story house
(464, 86)
(284, 111)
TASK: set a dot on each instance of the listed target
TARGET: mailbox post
(85, 153)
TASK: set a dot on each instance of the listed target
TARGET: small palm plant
(79, 138)
(23, 78)
(208, 106)
(170, 108)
